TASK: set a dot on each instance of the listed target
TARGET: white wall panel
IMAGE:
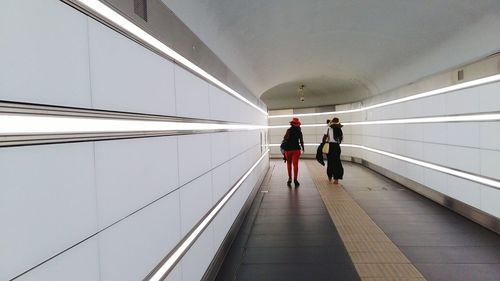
(81, 263)
(220, 104)
(433, 106)
(489, 200)
(224, 221)
(309, 130)
(44, 61)
(435, 153)
(489, 97)
(415, 173)
(274, 139)
(132, 173)
(191, 95)
(237, 142)
(490, 164)
(412, 108)
(130, 249)
(128, 77)
(175, 274)
(236, 169)
(197, 260)
(414, 132)
(436, 133)
(220, 181)
(463, 101)
(398, 131)
(413, 149)
(196, 200)
(48, 202)
(465, 191)
(465, 159)
(436, 180)
(194, 156)
(466, 134)
(489, 135)
(219, 148)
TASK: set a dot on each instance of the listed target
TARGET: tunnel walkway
(380, 231)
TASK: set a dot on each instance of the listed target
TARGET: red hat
(295, 122)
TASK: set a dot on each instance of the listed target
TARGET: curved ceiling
(341, 50)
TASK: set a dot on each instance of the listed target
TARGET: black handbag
(284, 145)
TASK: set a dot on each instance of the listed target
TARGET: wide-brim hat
(295, 122)
(335, 122)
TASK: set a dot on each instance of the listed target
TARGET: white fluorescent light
(437, 119)
(440, 119)
(106, 12)
(460, 174)
(303, 126)
(174, 258)
(473, 83)
(32, 124)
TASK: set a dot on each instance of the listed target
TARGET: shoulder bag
(326, 142)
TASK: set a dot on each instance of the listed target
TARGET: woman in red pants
(293, 143)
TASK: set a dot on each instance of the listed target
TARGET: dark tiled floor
(290, 237)
(440, 243)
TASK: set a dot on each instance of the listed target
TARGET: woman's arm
(301, 141)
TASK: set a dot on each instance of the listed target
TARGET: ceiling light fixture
(301, 93)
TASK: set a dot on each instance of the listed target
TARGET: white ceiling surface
(342, 50)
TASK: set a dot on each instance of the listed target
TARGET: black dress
(334, 169)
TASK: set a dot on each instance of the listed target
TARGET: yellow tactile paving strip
(372, 252)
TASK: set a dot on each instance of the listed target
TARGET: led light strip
(109, 14)
(174, 257)
(453, 172)
(469, 84)
(437, 119)
(32, 125)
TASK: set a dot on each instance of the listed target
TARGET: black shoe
(296, 182)
(289, 182)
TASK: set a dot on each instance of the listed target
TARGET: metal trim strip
(24, 109)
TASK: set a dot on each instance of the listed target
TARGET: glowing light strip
(32, 124)
(106, 12)
(469, 84)
(438, 119)
(453, 172)
(168, 265)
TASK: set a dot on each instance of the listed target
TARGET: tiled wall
(473, 147)
(115, 208)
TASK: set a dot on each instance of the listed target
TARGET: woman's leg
(330, 156)
(296, 156)
(288, 155)
(338, 170)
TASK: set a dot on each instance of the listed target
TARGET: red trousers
(292, 157)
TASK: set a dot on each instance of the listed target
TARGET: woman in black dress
(334, 134)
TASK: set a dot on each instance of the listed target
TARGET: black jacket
(294, 139)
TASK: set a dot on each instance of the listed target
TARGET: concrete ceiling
(341, 50)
